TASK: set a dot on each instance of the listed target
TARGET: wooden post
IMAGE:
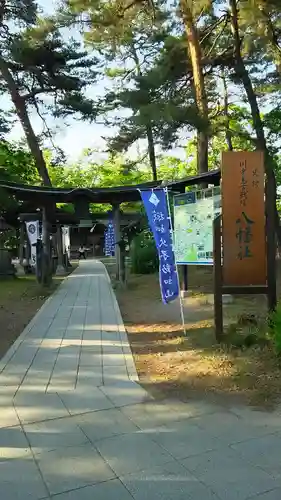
(122, 246)
(271, 244)
(185, 278)
(22, 239)
(218, 281)
(28, 251)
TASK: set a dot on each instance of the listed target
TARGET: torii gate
(46, 198)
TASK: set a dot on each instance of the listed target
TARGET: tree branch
(134, 3)
(2, 10)
(37, 91)
(217, 37)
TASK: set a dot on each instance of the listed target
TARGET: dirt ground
(195, 366)
(20, 299)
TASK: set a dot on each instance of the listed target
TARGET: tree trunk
(151, 151)
(199, 83)
(21, 110)
(271, 209)
(228, 135)
(243, 75)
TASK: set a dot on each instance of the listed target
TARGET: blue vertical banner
(155, 203)
(109, 240)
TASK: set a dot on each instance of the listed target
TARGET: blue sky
(77, 135)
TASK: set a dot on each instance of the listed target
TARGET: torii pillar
(120, 263)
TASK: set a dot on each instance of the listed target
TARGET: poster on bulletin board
(194, 213)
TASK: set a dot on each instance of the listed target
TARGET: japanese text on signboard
(244, 234)
(243, 218)
(109, 240)
(155, 203)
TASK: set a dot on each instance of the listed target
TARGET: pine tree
(40, 71)
(130, 44)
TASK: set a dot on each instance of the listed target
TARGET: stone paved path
(75, 424)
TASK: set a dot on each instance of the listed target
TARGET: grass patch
(20, 299)
(243, 369)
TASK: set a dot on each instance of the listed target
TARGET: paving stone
(110, 490)
(230, 477)
(114, 360)
(91, 339)
(13, 443)
(166, 482)
(263, 452)
(259, 419)
(111, 337)
(8, 415)
(89, 376)
(53, 434)
(36, 380)
(230, 428)
(90, 358)
(13, 375)
(21, 480)
(67, 469)
(131, 452)
(156, 413)
(103, 424)
(115, 375)
(269, 495)
(39, 407)
(124, 392)
(62, 383)
(184, 439)
(83, 400)
(112, 348)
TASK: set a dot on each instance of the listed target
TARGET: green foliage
(144, 258)
(114, 171)
(276, 329)
(16, 165)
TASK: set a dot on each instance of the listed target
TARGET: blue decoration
(109, 240)
(155, 203)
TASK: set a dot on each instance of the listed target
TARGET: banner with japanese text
(32, 229)
(109, 240)
(243, 218)
(155, 203)
(66, 240)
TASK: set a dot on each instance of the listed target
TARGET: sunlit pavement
(75, 423)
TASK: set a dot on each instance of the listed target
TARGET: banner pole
(177, 272)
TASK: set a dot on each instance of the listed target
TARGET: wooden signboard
(243, 219)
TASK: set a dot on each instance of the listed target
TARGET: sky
(77, 135)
